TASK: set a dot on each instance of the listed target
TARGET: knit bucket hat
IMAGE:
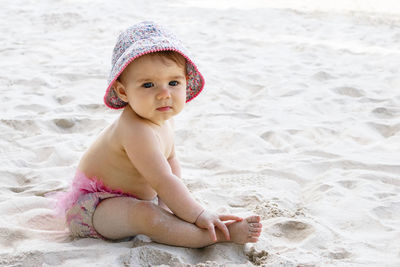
(145, 38)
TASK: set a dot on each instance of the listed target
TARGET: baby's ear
(120, 90)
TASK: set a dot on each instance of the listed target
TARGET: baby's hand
(209, 220)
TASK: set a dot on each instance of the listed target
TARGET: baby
(128, 182)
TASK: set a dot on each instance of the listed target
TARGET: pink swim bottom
(80, 202)
(79, 217)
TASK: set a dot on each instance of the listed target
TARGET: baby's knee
(146, 214)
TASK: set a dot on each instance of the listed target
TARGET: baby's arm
(143, 149)
(174, 164)
(176, 170)
(173, 160)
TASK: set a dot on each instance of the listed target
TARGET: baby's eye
(173, 83)
(148, 85)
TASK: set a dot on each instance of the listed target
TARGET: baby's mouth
(165, 108)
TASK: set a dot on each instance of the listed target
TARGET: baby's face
(155, 87)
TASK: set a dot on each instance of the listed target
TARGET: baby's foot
(246, 231)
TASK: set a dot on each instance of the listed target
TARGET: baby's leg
(122, 217)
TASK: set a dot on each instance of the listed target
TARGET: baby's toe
(255, 225)
(253, 219)
(255, 230)
(252, 234)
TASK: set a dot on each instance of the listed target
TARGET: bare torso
(107, 160)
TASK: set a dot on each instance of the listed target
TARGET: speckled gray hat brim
(145, 38)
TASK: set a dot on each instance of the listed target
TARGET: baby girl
(129, 180)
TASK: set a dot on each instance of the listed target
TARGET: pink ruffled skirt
(78, 204)
(81, 185)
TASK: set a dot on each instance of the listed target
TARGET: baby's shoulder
(132, 129)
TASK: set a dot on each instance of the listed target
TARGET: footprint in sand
(390, 211)
(384, 195)
(292, 230)
(348, 91)
(348, 184)
(64, 123)
(20, 189)
(64, 99)
(338, 254)
(322, 76)
(385, 113)
(386, 130)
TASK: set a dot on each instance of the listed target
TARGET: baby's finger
(211, 229)
(229, 223)
(223, 228)
(230, 217)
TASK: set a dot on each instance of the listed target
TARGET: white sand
(299, 122)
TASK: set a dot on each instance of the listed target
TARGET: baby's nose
(164, 92)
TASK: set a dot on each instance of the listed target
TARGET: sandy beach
(299, 122)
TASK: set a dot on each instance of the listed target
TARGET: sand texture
(299, 122)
